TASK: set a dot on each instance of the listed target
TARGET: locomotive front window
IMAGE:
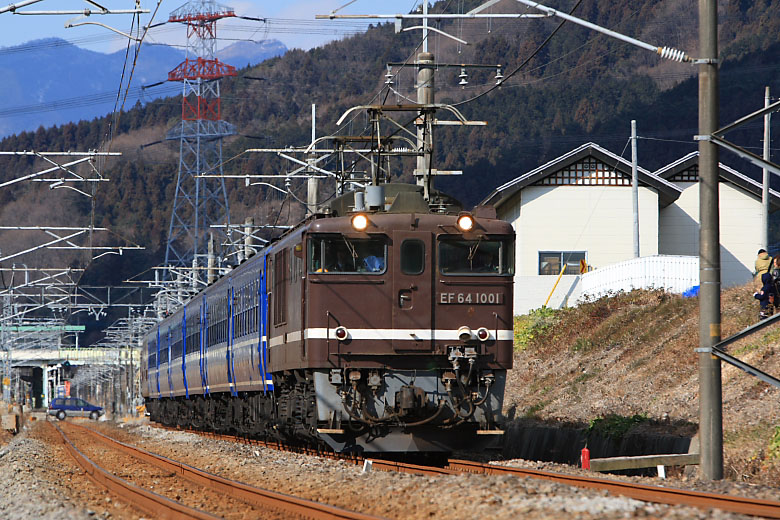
(412, 256)
(476, 257)
(343, 255)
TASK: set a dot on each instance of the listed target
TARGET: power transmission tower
(198, 202)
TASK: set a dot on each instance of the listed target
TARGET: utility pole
(765, 190)
(313, 185)
(710, 391)
(635, 188)
(425, 25)
(425, 96)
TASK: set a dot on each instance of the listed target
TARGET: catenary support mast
(710, 392)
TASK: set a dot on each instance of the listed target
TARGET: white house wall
(532, 291)
(740, 229)
(594, 219)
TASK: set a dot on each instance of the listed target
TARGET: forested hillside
(579, 87)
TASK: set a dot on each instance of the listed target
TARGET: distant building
(740, 217)
(576, 211)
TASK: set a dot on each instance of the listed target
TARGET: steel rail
(664, 495)
(232, 488)
(644, 492)
(157, 505)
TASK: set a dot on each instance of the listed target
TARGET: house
(575, 213)
(740, 207)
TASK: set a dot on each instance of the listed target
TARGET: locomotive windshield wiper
(351, 248)
(473, 250)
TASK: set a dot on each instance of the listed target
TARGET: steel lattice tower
(198, 202)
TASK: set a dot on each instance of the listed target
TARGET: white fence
(676, 274)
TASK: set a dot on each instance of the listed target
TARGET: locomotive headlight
(483, 334)
(466, 222)
(464, 333)
(360, 222)
(341, 333)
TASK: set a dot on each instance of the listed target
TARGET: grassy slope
(634, 354)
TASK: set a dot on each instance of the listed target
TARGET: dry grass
(634, 353)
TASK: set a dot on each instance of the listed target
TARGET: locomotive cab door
(412, 298)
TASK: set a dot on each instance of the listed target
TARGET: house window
(551, 262)
(688, 175)
(587, 172)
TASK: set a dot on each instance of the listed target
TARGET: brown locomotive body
(373, 331)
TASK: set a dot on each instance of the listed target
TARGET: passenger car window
(412, 256)
(341, 255)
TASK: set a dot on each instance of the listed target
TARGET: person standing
(774, 270)
(766, 296)
(763, 263)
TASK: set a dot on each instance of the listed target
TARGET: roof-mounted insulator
(463, 77)
(672, 54)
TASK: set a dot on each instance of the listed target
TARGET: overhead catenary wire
(375, 96)
(75, 102)
(137, 52)
(390, 89)
(525, 62)
(277, 25)
(114, 116)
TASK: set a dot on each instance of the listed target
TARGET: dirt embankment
(633, 354)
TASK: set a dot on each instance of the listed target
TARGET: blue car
(62, 407)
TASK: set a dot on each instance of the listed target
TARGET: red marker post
(585, 458)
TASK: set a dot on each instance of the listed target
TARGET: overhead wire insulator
(499, 76)
(672, 54)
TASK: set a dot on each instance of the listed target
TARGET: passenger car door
(81, 407)
(70, 407)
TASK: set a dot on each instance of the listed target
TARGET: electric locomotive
(381, 324)
(384, 328)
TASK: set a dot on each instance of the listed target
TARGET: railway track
(160, 506)
(644, 492)
(662, 495)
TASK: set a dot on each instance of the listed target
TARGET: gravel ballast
(43, 470)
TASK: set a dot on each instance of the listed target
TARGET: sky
(291, 22)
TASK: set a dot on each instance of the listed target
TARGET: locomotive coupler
(410, 399)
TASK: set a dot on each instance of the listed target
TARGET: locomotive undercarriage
(390, 410)
(288, 414)
(357, 409)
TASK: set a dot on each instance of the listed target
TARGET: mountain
(51, 81)
(248, 53)
(576, 87)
